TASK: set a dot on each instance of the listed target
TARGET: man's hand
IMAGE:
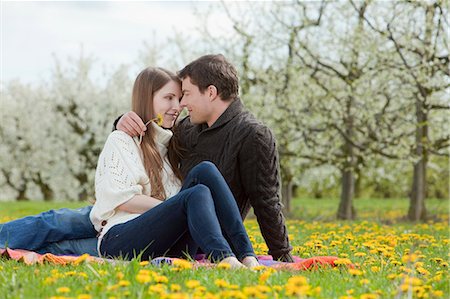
(131, 124)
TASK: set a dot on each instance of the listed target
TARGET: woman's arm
(139, 204)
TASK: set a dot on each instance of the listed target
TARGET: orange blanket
(30, 257)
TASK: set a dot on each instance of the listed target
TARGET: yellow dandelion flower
(422, 271)
(102, 272)
(84, 296)
(364, 281)
(182, 264)
(223, 266)
(342, 261)
(297, 281)
(395, 263)
(175, 287)
(157, 289)
(264, 276)
(375, 269)
(142, 278)
(124, 283)
(293, 290)
(368, 296)
(410, 258)
(49, 280)
(418, 264)
(159, 119)
(144, 263)
(119, 275)
(392, 276)
(63, 290)
(179, 296)
(360, 254)
(161, 279)
(192, 284)
(355, 272)
(221, 283)
(413, 281)
(437, 278)
(251, 292)
(438, 293)
(81, 259)
(112, 287)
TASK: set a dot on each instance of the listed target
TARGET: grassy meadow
(393, 259)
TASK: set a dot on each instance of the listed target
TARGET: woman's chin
(167, 125)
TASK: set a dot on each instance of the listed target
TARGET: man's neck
(218, 111)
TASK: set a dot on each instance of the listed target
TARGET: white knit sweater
(120, 175)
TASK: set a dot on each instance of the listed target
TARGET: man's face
(198, 104)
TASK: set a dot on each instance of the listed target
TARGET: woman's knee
(207, 167)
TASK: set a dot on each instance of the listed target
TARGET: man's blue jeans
(63, 231)
(203, 214)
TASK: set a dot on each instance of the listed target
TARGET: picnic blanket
(30, 258)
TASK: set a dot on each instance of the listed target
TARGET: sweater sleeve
(259, 167)
(118, 177)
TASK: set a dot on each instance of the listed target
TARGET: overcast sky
(113, 32)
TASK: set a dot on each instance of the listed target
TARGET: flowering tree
(416, 33)
(52, 134)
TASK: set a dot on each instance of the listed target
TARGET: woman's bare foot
(250, 262)
(233, 262)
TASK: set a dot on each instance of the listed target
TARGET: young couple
(155, 193)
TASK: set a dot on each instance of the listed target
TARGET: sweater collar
(234, 109)
(162, 136)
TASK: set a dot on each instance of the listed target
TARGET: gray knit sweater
(244, 151)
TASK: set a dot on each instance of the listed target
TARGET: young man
(218, 129)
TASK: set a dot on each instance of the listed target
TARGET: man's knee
(199, 192)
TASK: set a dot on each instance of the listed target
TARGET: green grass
(388, 256)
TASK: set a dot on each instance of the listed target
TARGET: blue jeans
(63, 231)
(203, 214)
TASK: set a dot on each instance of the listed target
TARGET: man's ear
(212, 92)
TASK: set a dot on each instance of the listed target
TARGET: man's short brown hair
(213, 70)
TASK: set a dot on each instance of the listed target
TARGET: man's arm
(259, 166)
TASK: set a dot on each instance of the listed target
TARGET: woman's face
(166, 102)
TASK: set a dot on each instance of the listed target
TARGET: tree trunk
(286, 196)
(22, 190)
(417, 210)
(46, 191)
(346, 210)
(358, 182)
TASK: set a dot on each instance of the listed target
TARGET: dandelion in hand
(158, 120)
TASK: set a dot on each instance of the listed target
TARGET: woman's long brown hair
(147, 83)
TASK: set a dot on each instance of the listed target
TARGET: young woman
(143, 208)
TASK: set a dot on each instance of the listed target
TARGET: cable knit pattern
(244, 151)
(120, 175)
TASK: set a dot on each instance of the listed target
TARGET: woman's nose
(175, 105)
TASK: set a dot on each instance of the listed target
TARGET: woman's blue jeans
(204, 215)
